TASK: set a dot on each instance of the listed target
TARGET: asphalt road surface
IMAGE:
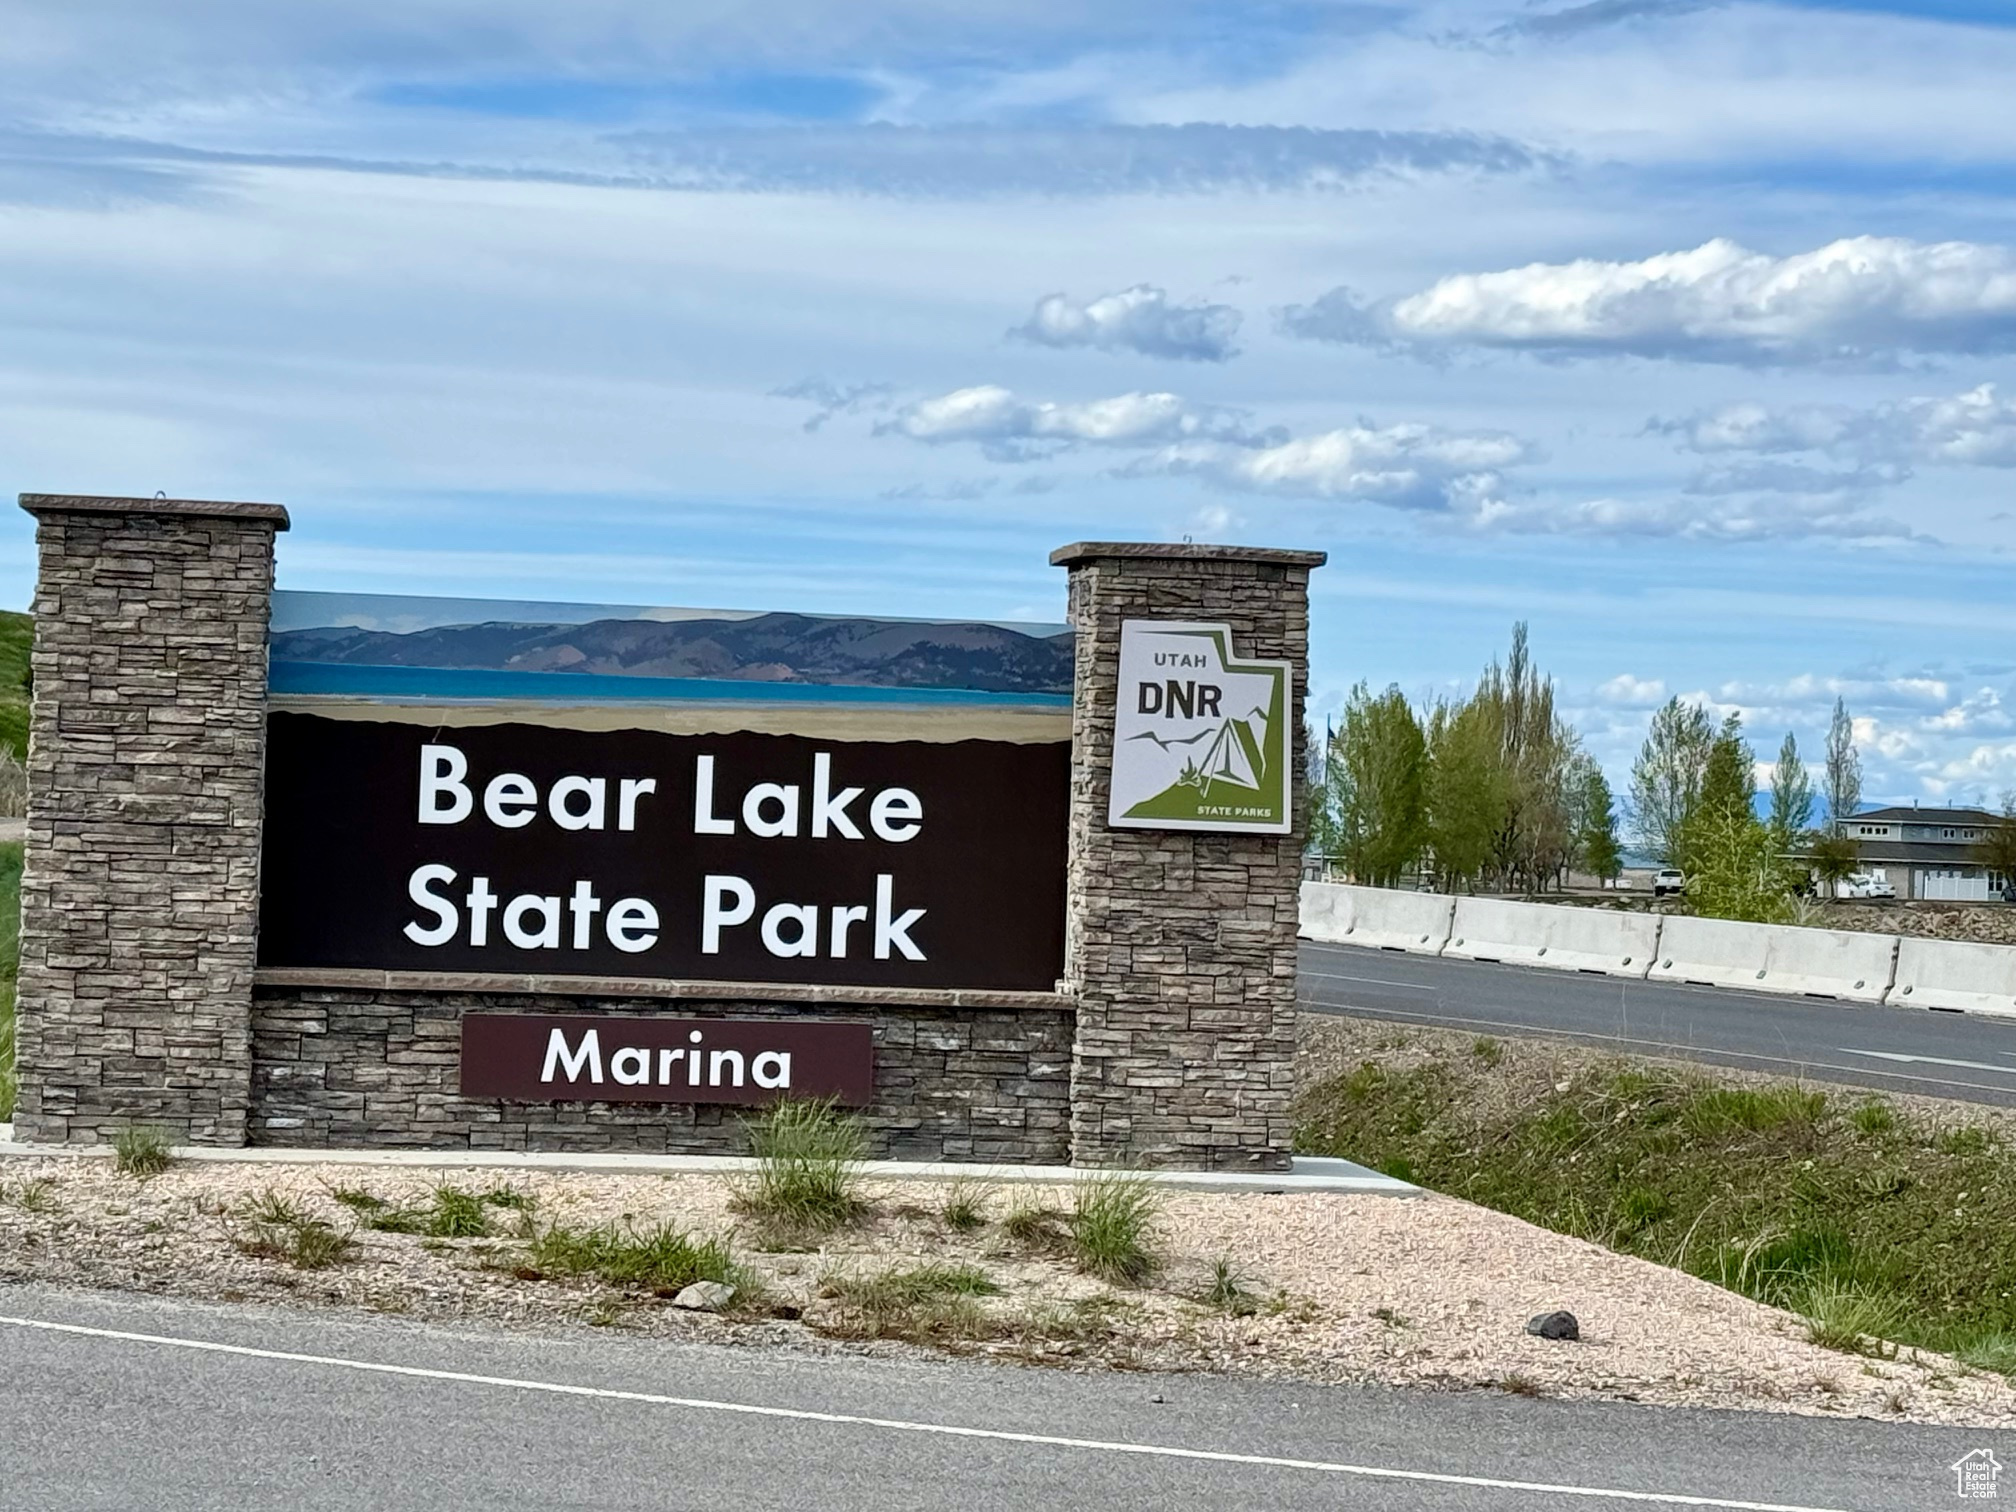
(1956, 1055)
(144, 1403)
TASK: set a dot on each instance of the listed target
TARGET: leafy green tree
(1728, 793)
(1735, 871)
(1537, 750)
(1667, 776)
(1596, 836)
(1378, 767)
(1791, 795)
(1466, 790)
(1844, 770)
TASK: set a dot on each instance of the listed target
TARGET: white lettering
(481, 902)
(779, 1072)
(584, 905)
(548, 909)
(442, 769)
(631, 1066)
(716, 914)
(895, 814)
(830, 808)
(729, 1058)
(627, 794)
(786, 799)
(893, 931)
(693, 1061)
(559, 1057)
(665, 1059)
(704, 822)
(805, 939)
(590, 818)
(510, 800)
(417, 886)
(632, 925)
(844, 919)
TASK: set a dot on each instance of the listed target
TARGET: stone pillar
(1181, 944)
(140, 898)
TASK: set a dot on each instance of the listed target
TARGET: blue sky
(1685, 331)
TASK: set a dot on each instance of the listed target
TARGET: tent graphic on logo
(1183, 758)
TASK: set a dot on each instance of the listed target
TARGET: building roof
(1901, 815)
(1916, 853)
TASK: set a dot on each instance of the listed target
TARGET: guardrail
(1846, 964)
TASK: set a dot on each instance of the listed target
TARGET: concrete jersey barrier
(1376, 917)
(1772, 958)
(1950, 974)
(1555, 937)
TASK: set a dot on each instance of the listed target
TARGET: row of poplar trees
(1493, 789)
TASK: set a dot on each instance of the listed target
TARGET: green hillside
(15, 632)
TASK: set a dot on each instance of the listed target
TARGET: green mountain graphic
(1233, 777)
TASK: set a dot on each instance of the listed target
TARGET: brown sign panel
(532, 1057)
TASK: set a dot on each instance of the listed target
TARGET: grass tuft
(808, 1168)
(1850, 1319)
(1227, 1291)
(1112, 1217)
(921, 1302)
(1036, 1227)
(964, 1208)
(660, 1259)
(140, 1151)
(279, 1228)
(37, 1195)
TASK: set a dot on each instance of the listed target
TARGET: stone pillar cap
(206, 509)
(1184, 551)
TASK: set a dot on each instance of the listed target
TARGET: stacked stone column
(140, 896)
(1181, 944)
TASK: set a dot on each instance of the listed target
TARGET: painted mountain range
(785, 648)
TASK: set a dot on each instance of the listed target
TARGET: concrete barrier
(1769, 958)
(1549, 935)
(1377, 917)
(1949, 974)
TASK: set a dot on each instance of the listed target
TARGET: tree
(1596, 831)
(1791, 795)
(1465, 790)
(1535, 836)
(1322, 801)
(1666, 778)
(1728, 793)
(1844, 770)
(1835, 856)
(1378, 772)
(1735, 872)
(1996, 852)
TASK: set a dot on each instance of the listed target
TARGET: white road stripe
(1338, 976)
(1927, 1060)
(1624, 1041)
(899, 1425)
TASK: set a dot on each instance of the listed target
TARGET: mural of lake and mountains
(386, 646)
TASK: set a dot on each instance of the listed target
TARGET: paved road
(1894, 1049)
(312, 1413)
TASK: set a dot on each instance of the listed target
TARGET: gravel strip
(1430, 1292)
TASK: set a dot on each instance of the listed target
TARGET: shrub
(1111, 1217)
(141, 1150)
(808, 1167)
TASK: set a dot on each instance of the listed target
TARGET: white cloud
(1406, 466)
(1762, 517)
(1862, 300)
(1973, 429)
(1140, 319)
(1633, 692)
(1011, 429)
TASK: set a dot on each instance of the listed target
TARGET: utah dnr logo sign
(1200, 738)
